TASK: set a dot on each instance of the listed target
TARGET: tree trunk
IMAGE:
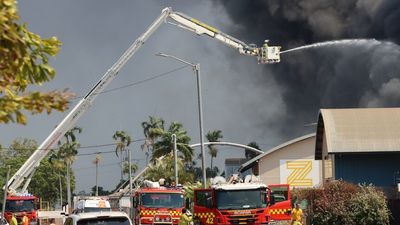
(212, 162)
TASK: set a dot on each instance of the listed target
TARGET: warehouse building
(289, 163)
(363, 145)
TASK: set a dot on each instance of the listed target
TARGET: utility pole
(68, 188)
(130, 184)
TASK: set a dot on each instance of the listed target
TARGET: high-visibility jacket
(13, 221)
(185, 219)
(25, 220)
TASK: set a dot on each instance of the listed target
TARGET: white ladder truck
(265, 54)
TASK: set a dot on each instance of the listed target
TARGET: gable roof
(358, 130)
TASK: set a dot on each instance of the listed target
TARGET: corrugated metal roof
(251, 162)
(359, 130)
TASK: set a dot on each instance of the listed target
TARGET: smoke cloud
(359, 74)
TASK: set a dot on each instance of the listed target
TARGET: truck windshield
(240, 199)
(162, 200)
(20, 205)
(105, 221)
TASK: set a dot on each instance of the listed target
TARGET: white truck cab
(99, 218)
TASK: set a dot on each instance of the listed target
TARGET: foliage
(164, 145)
(213, 136)
(122, 141)
(189, 192)
(369, 207)
(45, 182)
(212, 172)
(165, 169)
(249, 154)
(65, 156)
(339, 203)
(134, 168)
(24, 61)
(68, 148)
(101, 190)
(151, 136)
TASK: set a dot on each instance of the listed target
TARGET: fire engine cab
(20, 205)
(235, 202)
(155, 204)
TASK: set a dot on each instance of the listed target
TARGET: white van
(98, 218)
(93, 205)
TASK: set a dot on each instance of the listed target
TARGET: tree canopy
(46, 180)
(24, 62)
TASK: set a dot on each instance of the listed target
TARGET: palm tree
(123, 140)
(249, 154)
(165, 169)
(66, 153)
(213, 136)
(96, 161)
(134, 168)
(164, 145)
(154, 123)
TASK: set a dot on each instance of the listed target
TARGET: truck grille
(242, 219)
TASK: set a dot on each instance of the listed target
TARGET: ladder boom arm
(265, 54)
(70, 120)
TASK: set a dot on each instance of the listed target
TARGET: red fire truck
(20, 205)
(241, 203)
(156, 204)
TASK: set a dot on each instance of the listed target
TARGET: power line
(106, 165)
(137, 82)
(81, 147)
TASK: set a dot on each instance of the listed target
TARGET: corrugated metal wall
(380, 169)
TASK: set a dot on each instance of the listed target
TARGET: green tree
(164, 144)
(213, 136)
(45, 182)
(134, 168)
(24, 62)
(249, 154)
(68, 148)
(101, 190)
(151, 136)
(123, 140)
(165, 169)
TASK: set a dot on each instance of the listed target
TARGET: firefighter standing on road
(13, 220)
(297, 215)
(185, 218)
(25, 219)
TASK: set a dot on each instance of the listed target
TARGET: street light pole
(196, 69)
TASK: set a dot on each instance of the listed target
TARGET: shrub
(341, 203)
(369, 207)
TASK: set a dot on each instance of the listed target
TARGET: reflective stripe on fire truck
(278, 211)
(175, 213)
(154, 212)
(205, 215)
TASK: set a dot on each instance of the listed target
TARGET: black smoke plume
(363, 74)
